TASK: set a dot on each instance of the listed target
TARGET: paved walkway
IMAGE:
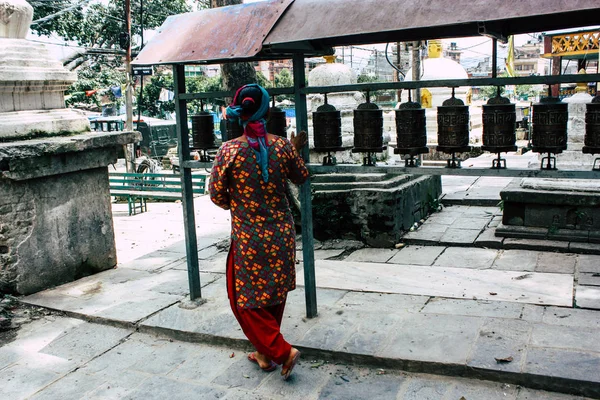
(522, 318)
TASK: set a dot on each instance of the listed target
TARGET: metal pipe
(310, 286)
(187, 196)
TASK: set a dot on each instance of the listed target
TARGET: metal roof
(277, 28)
(345, 22)
(213, 35)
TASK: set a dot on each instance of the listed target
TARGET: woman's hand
(299, 141)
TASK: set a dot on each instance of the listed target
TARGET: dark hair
(250, 99)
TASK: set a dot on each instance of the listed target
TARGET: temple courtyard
(453, 312)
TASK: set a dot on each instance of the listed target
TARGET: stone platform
(369, 318)
(553, 209)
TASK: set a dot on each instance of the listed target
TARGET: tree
(491, 91)
(284, 79)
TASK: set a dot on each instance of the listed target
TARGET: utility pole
(399, 91)
(141, 76)
(416, 68)
(128, 148)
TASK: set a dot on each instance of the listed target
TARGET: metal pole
(308, 251)
(129, 152)
(416, 68)
(187, 197)
(494, 58)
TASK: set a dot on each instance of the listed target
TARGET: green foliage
(99, 24)
(362, 78)
(94, 77)
(491, 91)
(284, 79)
(262, 80)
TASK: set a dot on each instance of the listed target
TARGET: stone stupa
(55, 212)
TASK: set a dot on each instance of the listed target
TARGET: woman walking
(249, 177)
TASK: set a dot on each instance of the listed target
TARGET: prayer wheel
(368, 128)
(499, 124)
(411, 131)
(549, 126)
(453, 126)
(327, 126)
(234, 129)
(277, 122)
(203, 131)
(591, 139)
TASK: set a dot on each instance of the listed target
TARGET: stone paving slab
(473, 259)
(417, 255)
(587, 297)
(372, 255)
(513, 260)
(537, 288)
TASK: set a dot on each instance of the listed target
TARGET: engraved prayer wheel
(411, 131)
(368, 129)
(591, 139)
(499, 124)
(277, 122)
(549, 133)
(327, 127)
(234, 129)
(203, 130)
(453, 126)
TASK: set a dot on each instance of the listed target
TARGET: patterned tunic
(262, 227)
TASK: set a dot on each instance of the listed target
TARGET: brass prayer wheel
(499, 124)
(591, 139)
(327, 127)
(453, 126)
(277, 122)
(234, 129)
(411, 131)
(203, 131)
(368, 128)
(549, 126)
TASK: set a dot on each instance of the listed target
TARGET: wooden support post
(310, 286)
(556, 70)
(187, 196)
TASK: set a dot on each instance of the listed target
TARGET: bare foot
(263, 361)
(290, 363)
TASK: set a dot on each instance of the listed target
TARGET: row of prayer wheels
(499, 125)
(549, 133)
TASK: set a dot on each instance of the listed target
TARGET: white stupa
(436, 67)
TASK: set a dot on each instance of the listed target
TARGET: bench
(138, 188)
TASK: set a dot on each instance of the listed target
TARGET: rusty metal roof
(345, 22)
(213, 35)
(277, 28)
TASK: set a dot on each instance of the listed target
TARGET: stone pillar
(55, 212)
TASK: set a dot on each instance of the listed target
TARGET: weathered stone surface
(349, 384)
(375, 210)
(488, 239)
(571, 317)
(440, 338)
(563, 363)
(158, 387)
(516, 260)
(589, 279)
(459, 236)
(417, 255)
(372, 255)
(531, 244)
(588, 263)
(470, 389)
(587, 297)
(556, 263)
(459, 283)
(473, 308)
(565, 337)
(584, 248)
(473, 258)
(418, 388)
(82, 242)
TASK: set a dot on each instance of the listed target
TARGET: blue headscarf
(255, 124)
